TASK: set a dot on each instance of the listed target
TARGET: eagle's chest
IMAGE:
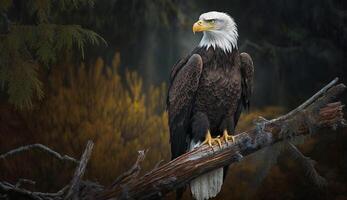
(219, 90)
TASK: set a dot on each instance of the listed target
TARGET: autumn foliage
(97, 103)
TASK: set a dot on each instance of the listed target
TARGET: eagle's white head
(219, 31)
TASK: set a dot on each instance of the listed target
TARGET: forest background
(74, 70)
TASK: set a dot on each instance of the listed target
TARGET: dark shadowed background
(62, 85)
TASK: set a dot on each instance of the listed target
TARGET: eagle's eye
(211, 21)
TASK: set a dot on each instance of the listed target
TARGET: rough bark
(320, 111)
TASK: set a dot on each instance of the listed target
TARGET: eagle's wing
(184, 81)
(247, 73)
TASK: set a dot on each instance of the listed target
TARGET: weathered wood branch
(21, 181)
(14, 192)
(79, 172)
(316, 113)
(10, 191)
(320, 111)
(40, 147)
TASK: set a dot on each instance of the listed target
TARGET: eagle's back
(219, 88)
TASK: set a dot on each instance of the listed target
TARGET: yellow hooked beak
(202, 26)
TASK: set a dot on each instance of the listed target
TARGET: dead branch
(132, 173)
(41, 147)
(74, 185)
(316, 113)
(14, 192)
(23, 180)
(309, 101)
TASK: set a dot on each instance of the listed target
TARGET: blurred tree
(30, 39)
(123, 21)
(291, 42)
(97, 103)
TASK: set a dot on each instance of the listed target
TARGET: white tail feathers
(208, 185)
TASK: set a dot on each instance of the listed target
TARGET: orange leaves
(97, 103)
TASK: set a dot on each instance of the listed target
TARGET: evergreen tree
(31, 38)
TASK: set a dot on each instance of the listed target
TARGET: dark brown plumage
(207, 91)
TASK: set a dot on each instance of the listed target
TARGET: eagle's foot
(209, 140)
(226, 136)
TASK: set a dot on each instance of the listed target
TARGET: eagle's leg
(226, 136)
(228, 128)
(209, 140)
(201, 130)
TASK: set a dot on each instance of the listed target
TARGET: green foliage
(128, 21)
(23, 82)
(28, 47)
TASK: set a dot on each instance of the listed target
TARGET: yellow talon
(226, 136)
(209, 140)
(218, 141)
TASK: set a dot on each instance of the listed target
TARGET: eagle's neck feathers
(225, 39)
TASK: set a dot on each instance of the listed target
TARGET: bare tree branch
(13, 191)
(41, 147)
(309, 101)
(74, 185)
(23, 180)
(132, 173)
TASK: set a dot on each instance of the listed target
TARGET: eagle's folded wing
(184, 82)
(247, 72)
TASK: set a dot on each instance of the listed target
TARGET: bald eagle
(208, 90)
